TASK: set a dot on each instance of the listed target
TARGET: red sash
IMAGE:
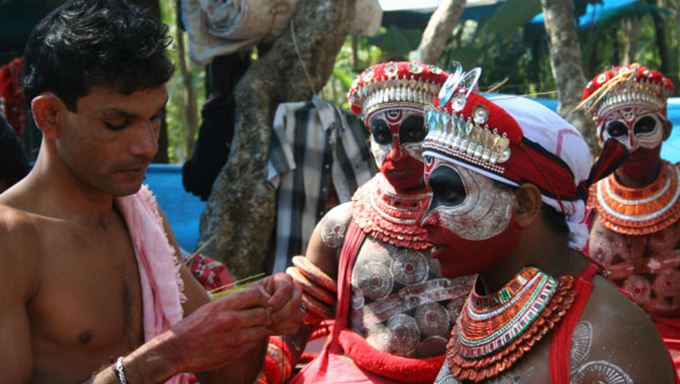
(347, 357)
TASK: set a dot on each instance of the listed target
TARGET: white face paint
(634, 127)
(484, 212)
(403, 127)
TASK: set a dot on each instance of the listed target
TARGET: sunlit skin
(71, 292)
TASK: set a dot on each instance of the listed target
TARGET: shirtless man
(635, 231)
(509, 178)
(390, 305)
(90, 289)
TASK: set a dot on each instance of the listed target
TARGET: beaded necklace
(389, 216)
(639, 211)
(496, 330)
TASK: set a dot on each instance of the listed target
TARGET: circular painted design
(433, 319)
(409, 267)
(404, 334)
(581, 341)
(374, 279)
(431, 346)
(358, 299)
(601, 372)
(638, 287)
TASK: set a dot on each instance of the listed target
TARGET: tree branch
(438, 31)
(565, 60)
(241, 208)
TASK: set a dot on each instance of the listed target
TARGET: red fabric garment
(560, 345)
(347, 357)
(12, 95)
(669, 328)
(211, 273)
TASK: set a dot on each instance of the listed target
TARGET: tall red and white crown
(624, 86)
(465, 125)
(395, 85)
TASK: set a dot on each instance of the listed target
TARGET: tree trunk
(438, 31)
(630, 36)
(189, 93)
(241, 208)
(565, 59)
(661, 41)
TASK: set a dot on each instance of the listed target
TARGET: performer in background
(635, 231)
(509, 180)
(368, 263)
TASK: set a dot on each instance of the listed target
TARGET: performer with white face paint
(635, 231)
(509, 180)
(391, 308)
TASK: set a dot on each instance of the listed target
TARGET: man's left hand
(285, 303)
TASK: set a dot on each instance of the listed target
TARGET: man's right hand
(221, 331)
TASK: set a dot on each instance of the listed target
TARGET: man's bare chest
(89, 297)
(400, 302)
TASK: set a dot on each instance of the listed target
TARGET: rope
(302, 63)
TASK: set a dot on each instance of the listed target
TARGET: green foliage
(175, 111)
(346, 69)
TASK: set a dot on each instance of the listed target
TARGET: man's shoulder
(18, 231)
(621, 335)
(13, 220)
(19, 244)
(607, 303)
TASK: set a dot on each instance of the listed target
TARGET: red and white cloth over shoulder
(162, 288)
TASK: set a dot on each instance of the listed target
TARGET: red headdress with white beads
(515, 140)
(395, 85)
(626, 86)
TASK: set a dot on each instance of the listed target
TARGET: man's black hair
(87, 43)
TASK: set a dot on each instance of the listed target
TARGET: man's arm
(219, 337)
(282, 303)
(323, 251)
(17, 275)
(624, 340)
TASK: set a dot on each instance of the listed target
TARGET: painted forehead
(394, 115)
(630, 113)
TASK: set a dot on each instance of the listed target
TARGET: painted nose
(395, 152)
(632, 143)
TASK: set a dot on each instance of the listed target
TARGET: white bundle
(219, 27)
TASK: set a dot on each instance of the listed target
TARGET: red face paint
(404, 173)
(640, 163)
(461, 257)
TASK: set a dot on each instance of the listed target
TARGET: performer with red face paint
(509, 179)
(368, 265)
(636, 229)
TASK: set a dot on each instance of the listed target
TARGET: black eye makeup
(645, 124)
(616, 128)
(381, 132)
(447, 187)
(412, 130)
